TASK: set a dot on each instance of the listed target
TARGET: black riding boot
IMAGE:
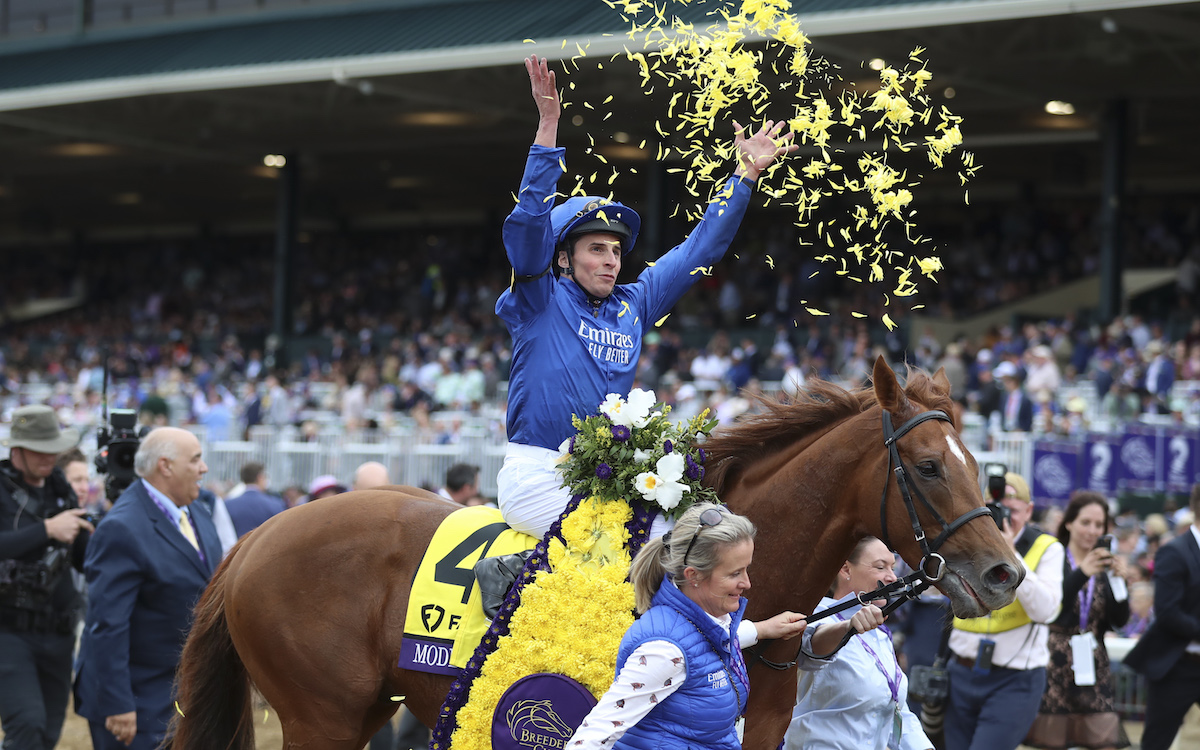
(496, 576)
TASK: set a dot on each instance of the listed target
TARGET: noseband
(908, 489)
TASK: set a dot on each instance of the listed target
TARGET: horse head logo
(537, 717)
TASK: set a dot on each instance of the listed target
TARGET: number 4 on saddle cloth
(446, 620)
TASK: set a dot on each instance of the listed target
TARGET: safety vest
(1014, 615)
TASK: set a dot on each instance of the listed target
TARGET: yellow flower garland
(586, 579)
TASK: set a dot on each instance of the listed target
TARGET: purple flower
(692, 469)
(604, 471)
(571, 447)
(668, 446)
(620, 433)
(699, 453)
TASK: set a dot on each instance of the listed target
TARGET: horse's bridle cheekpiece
(911, 585)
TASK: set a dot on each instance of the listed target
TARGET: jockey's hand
(545, 96)
(784, 626)
(756, 152)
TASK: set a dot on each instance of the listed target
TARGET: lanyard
(893, 681)
(1085, 601)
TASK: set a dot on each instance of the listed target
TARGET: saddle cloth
(445, 621)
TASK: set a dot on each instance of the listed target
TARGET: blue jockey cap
(588, 213)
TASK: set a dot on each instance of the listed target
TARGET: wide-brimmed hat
(36, 428)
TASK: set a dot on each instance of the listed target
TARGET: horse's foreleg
(770, 709)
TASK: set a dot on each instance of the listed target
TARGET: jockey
(576, 333)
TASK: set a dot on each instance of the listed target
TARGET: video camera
(996, 485)
(117, 444)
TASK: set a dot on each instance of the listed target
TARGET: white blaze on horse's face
(956, 449)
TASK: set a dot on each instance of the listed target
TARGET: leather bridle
(911, 585)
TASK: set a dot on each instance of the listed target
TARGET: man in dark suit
(1016, 408)
(1169, 651)
(146, 566)
(250, 509)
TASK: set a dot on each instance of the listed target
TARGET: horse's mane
(784, 421)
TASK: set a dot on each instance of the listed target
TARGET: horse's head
(941, 481)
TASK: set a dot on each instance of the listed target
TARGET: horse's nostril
(1001, 575)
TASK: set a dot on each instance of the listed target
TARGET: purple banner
(1140, 460)
(427, 655)
(1100, 462)
(1181, 464)
(540, 712)
(1055, 471)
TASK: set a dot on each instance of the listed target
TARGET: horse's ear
(941, 382)
(888, 392)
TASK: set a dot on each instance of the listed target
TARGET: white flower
(640, 456)
(614, 408)
(640, 404)
(670, 467)
(668, 494)
(647, 483)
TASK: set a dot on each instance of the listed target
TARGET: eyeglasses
(710, 517)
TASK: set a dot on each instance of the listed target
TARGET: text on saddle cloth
(443, 607)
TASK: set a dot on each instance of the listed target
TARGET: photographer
(40, 537)
(1078, 707)
(998, 662)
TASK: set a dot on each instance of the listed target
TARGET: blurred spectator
(324, 486)
(1017, 407)
(462, 482)
(370, 474)
(253, 507)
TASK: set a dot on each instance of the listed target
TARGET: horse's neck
(808, 502)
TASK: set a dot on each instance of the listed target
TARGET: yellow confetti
(624, 308)
(815, 311)
(266, 715)
(887, 321)
(660, 321)
(178, 710)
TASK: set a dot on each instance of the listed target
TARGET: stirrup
(496, 576)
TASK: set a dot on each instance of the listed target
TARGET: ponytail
(646, 573)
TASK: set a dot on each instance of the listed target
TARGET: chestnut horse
(310, 607)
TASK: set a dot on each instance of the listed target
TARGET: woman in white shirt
(858, 701)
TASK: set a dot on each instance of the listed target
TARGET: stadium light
(1057, 107)
(876, 64)
(83, 149)
(274, 160)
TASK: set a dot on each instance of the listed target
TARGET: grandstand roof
(417, 108)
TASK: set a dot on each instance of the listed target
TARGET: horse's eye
(928, 470)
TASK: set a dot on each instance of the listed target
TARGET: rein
(911, 585)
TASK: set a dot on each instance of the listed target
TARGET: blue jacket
(704, 710)
(568, 354)
(143, 580)
(250, 509)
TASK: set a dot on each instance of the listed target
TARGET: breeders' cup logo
(1053, 476)
(1138, 458)
(535, 725)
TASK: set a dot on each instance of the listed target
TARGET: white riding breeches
(531, 495)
